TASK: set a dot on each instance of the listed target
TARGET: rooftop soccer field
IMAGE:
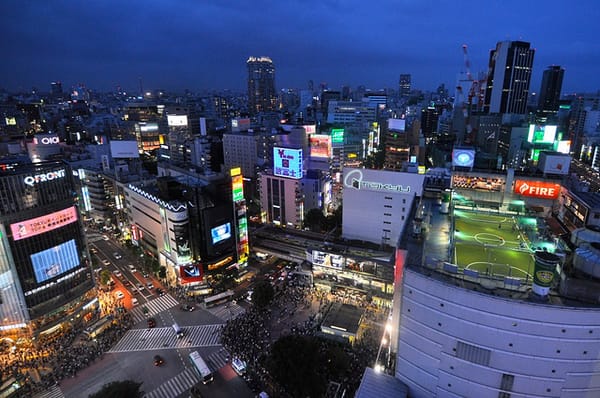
(494, 245)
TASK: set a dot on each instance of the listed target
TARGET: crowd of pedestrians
(50, 360)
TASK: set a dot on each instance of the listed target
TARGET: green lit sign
(337, 136)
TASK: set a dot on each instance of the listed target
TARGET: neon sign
(49, 176)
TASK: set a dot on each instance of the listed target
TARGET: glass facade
(44, 268)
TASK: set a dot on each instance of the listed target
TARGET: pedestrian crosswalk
(186, 379)
(176, 385)
(165, 338)
(217, 359)
(153, 307)
(227, 311)
(52, 392)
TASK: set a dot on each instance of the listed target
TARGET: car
(105, 237)
(134, 301)
(131, 267)
(151, 322)
(106, 262)
(117, 255)
(118, 274)
(140, 287)
(119, 294)
(158, 360)
(159, 291)
(150, 285)
(188, 308)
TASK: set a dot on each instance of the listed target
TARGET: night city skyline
(204, 46)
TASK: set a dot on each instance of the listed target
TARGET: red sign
(190, 273)
(537, 189)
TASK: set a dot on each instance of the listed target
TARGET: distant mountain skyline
(204, 45)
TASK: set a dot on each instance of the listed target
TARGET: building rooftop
(343, 317)
(380, 385)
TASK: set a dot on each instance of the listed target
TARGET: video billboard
(287, 162)
(220, 233)
(540, 134)
(397, 124)
(463, 157)
(327, 259)
(39, 225)
(54, 261)
(320, 146)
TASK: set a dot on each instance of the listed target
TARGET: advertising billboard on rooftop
(541, 134)
(320, 146)
(177, 120)
(287, 162)
(463, 157)
(124, 149)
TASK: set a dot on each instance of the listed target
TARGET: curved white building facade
(457, 342)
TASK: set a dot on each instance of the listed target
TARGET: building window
(387, 222)
(387, 206)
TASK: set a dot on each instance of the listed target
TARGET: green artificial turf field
(494, 245)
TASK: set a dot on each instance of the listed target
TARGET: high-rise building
(429, 120)
(550, 90)
(404, 85)
(46, 278)
(508, 82)
(261, 85)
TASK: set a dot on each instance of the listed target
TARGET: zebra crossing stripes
(52, 392)
(176, 385)
(165, 338)
(217, 359)
(227, 311)
(154, 307)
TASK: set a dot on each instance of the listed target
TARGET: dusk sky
(204, 44)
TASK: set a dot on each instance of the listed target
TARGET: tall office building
(261, 85)
(509, 77)
(550, 90)
(45, 275)
(404, 89)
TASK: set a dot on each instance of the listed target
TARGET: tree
(263, 294)
(314, 220)
(119, 389)
(105, 276)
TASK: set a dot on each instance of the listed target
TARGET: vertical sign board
(239, 208)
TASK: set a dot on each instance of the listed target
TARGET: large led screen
(287, 162)
(541, 134)
(39, 225)
(320, 146)
(220, 233)
(177, 120)
(463, 157)
(191, 273)
(54, 261)
(328, 259)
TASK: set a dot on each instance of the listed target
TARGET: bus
(98, 327)
(201, 367)
(218, 299)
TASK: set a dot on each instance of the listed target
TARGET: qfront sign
(49, 176)
(537, 189)
(354, 179)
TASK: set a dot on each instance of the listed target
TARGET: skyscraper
(404, 85)
(509, 77)
(261, 85)
(550, 90)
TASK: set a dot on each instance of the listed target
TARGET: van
(134, 301)
(178, 330)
